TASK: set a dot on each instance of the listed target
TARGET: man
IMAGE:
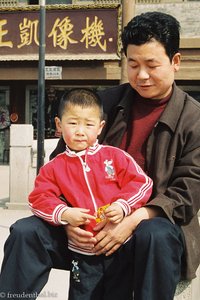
(158, 124)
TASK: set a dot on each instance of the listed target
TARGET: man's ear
(58, 124)
(102, 124)
(176, 60)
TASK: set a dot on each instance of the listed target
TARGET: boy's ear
(101, 126)
(58, 124)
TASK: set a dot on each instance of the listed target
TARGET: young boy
(98, 182)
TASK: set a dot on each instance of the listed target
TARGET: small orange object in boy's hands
(100, 216)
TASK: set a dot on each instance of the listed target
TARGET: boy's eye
(90, 124)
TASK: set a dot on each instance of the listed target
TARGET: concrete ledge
(189, 290)
(17, 206)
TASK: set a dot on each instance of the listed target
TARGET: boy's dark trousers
(100, 277)
(35, 247)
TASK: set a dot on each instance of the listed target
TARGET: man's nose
(143, 74)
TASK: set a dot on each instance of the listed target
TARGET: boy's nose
(80, 130)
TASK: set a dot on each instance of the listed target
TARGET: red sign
(71, 33)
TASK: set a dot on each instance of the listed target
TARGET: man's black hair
(159, 26)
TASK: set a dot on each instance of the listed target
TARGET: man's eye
(133, 66)
(153, 66)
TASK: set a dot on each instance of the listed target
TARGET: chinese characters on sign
(28, 31)
(61, 32)
(69, 33)
(2, 33)
(93, 34)
(53, 72)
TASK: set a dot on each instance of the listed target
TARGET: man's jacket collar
(173, 109)
(171, 113)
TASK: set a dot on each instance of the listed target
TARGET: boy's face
(80, 126)
(150, 71)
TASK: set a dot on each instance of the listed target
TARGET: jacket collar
(89, 151)
(173, 109)
(171, 113)
(127, 100)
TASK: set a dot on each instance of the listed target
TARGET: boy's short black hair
(82, 97)
(162, 27)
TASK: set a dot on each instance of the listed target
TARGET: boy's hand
(77, 216)
(114, 213)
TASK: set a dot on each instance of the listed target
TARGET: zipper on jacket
(85, 170)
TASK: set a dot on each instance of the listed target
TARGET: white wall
(23, 163)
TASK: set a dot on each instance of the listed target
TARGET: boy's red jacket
(89, 179)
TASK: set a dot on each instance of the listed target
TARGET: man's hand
(80, 237)
(111, 236)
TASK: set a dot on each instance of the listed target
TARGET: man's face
(150, 71)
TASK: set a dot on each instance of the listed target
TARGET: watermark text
(24, 295)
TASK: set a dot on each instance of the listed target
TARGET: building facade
(82, 49)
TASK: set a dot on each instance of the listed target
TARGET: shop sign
(53, 72)
(71, 33)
